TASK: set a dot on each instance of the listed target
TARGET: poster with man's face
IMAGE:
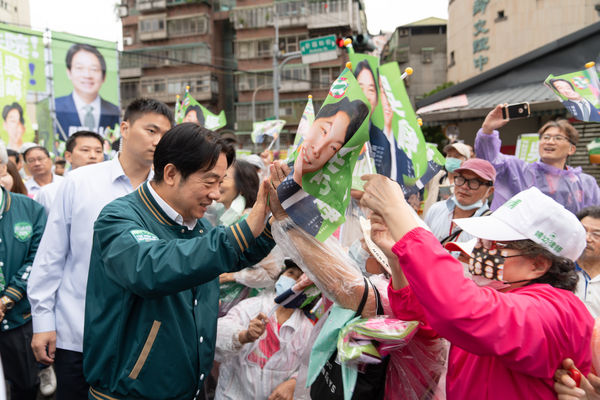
(86, 86)
(579, 92)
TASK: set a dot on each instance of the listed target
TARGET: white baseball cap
(532, 215)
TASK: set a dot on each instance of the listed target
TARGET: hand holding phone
(516, 111)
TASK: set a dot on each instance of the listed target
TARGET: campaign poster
(527, 148)
(192, 111)
(271, 128)
(578, 92)
(317, 191)
(85, 84)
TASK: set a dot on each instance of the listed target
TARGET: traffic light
(363, 43)
(340, 42)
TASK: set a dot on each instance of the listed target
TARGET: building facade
(483, 34)
(15, 12)
(422, 46)
(224, 51)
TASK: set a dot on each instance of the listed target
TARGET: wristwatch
(7, 302)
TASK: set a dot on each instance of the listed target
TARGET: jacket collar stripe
(100, 396)
(151, 207)
(237, 226)
(8, 200)
(236, 238)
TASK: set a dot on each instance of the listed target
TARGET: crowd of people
(173, 271)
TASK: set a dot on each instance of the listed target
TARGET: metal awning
(540, 98)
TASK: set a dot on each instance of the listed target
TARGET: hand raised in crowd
(227, 277)
(302, 283)
(258, 214)
(494, 121)
(279, 171)
(256, 327)
(565, 386)
(44, 346)
(284, 391)
(381, 236)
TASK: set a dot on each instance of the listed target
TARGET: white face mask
(474, 206)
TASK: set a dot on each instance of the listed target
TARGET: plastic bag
(368, 340)
(264, 274)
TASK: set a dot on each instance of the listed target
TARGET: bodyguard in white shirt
(39, 163)
(58, 280)
(82, 148)
(588, 264)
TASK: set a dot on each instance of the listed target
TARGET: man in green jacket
(153, 289)
(22, 223)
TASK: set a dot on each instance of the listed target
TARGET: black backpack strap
(363, 300)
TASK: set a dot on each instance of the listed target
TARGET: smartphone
(516, 111)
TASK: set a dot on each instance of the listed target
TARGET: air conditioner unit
(243, 86)
(127, 41)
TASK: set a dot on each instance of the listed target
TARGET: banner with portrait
(22, 72)
(579, 92)
(317, 191)
(85, 84)
(192, 111)
(271, 128)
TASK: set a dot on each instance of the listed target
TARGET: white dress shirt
(240, 375)
(439, 219)
(58, 281)
(171, 213)
(46, 195)
(80, 105)
(33, 187)
(588, 291)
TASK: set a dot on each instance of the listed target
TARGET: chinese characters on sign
(480, 40)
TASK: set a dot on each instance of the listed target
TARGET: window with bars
(152, 25)
(322, 78)
(196, 25)
(290, 43)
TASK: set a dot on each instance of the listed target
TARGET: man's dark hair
(592, 211)
(34, 148)
(139, 107)
(13, 153)
(246, 180)
(60, 162)
(77, 47)
(551, 82)
(199, 114)
(72, 140)
(356, 110)
(190, 148)
(14, 106)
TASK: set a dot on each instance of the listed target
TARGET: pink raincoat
(504, 345)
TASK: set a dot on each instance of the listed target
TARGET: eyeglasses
(556, 138)
(473, 184)
(594, 234)
(34, 160)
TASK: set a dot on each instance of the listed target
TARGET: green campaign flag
(192, 111)
(308, 117)
(14, 76)
(317, 191)
(27, 44)
(270, 128)
(527, 147)
(412, 161)
(579, 92)
(85, 84)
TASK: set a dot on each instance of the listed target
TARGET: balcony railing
(151, 5)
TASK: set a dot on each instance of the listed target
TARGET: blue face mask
(283, 283)
(474, 206)
(452, 164)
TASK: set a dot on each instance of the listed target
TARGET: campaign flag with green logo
(364, 165)
(527, 148)
(578, 92)
(594, 151)
(270, 128)
(177, 113)
(414, 166)
(317, 191)
(192, 111)
(14, 76)
(85, 84)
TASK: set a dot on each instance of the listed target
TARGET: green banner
(317, 191)
(192, 111)
(527, 147)
(579, 92)
(29, 45)
(270, 128)
(86, 84)
(14, 77)
(308, 117)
